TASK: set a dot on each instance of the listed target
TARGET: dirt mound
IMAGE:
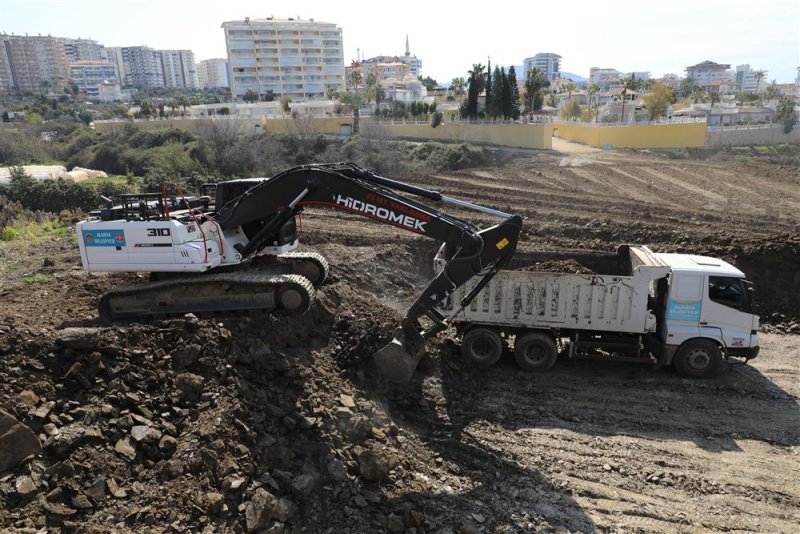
(192, 422)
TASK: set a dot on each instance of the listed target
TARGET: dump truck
(692, 312)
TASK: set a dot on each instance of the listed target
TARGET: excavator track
(287, 294)
(311, 265)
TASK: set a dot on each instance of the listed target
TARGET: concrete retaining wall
(739, 136)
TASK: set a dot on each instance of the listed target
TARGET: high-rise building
(213, 73)
(114, 54)
(547, 62)
(749, 80)
(301, 59)
(179, 69)
(142, 66)
(34, 64)
(84, 50)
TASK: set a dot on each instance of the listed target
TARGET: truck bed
(522, 298)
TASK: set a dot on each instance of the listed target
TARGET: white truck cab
(708, 299)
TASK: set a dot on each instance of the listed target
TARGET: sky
(628, 35)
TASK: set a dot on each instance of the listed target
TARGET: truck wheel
(698, 358)
(535, 351)
(482, 347)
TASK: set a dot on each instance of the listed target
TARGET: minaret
(408, 51)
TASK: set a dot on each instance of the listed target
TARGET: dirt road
(282, 425)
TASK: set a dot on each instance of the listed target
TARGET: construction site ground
(281, 424)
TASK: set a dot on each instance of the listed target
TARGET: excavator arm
(263, 209)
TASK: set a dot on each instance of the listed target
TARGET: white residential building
(213, 73)
(709, 75)
(84, 50)
(141, 67)
(546, 62)
(297, 58)
(180, 69)
(90, 75)
(603, 77)
(749, 81)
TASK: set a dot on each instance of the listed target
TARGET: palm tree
(592, 90)
(569, 87)
(628, 83)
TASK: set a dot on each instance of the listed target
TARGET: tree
(569, 87)
(183, 102)
(698, 94)
(759, 75)
(505, 94)
(714, 97)
(786, 113)
(429, 83)
(476, 84)
(457, 86)
(285, 103)
(250, 96)
(658, 100)
(491, 107)
(571, 109)
(535, 83)
(687, 87)
(628, 84)
(514, 92)
(146, 108)
(353, 99)
(772, 91)
(355, 78)
(269, 96)
(592, 90)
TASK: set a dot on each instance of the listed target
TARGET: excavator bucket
(398, 359)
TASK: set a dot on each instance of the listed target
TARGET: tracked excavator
(232, 249)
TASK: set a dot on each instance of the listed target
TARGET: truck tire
(698, 358)
(482, 347)
(535, 351)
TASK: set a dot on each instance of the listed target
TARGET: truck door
(684, 307)
(726, 310)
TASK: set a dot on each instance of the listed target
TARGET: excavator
(232, 249)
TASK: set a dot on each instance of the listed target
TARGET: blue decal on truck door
(104, 238)
(684, 311)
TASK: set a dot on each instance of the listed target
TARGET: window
(728, 291)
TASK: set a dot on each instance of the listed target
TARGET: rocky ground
(248, 424)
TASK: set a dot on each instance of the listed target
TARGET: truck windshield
(730, 291)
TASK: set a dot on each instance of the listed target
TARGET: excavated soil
(258, 423)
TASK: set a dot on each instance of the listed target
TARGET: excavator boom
(216, 258)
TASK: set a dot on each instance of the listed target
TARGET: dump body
(589, 302)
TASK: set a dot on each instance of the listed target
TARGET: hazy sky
(628, 35)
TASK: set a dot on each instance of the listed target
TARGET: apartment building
(547, 62)
(180, 69)
(84, 50)
(90, 75)
(604, 78)
(297, 58)
(747, 80)
(33, 64)
(709, 75)
(213, 73)
(142, 67)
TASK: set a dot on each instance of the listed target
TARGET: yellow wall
(535, 136)
(635, 136)
(513, 135)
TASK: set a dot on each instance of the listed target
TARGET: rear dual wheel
(482, 347)
(535, 351)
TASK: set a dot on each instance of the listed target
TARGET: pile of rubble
(248, 424)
